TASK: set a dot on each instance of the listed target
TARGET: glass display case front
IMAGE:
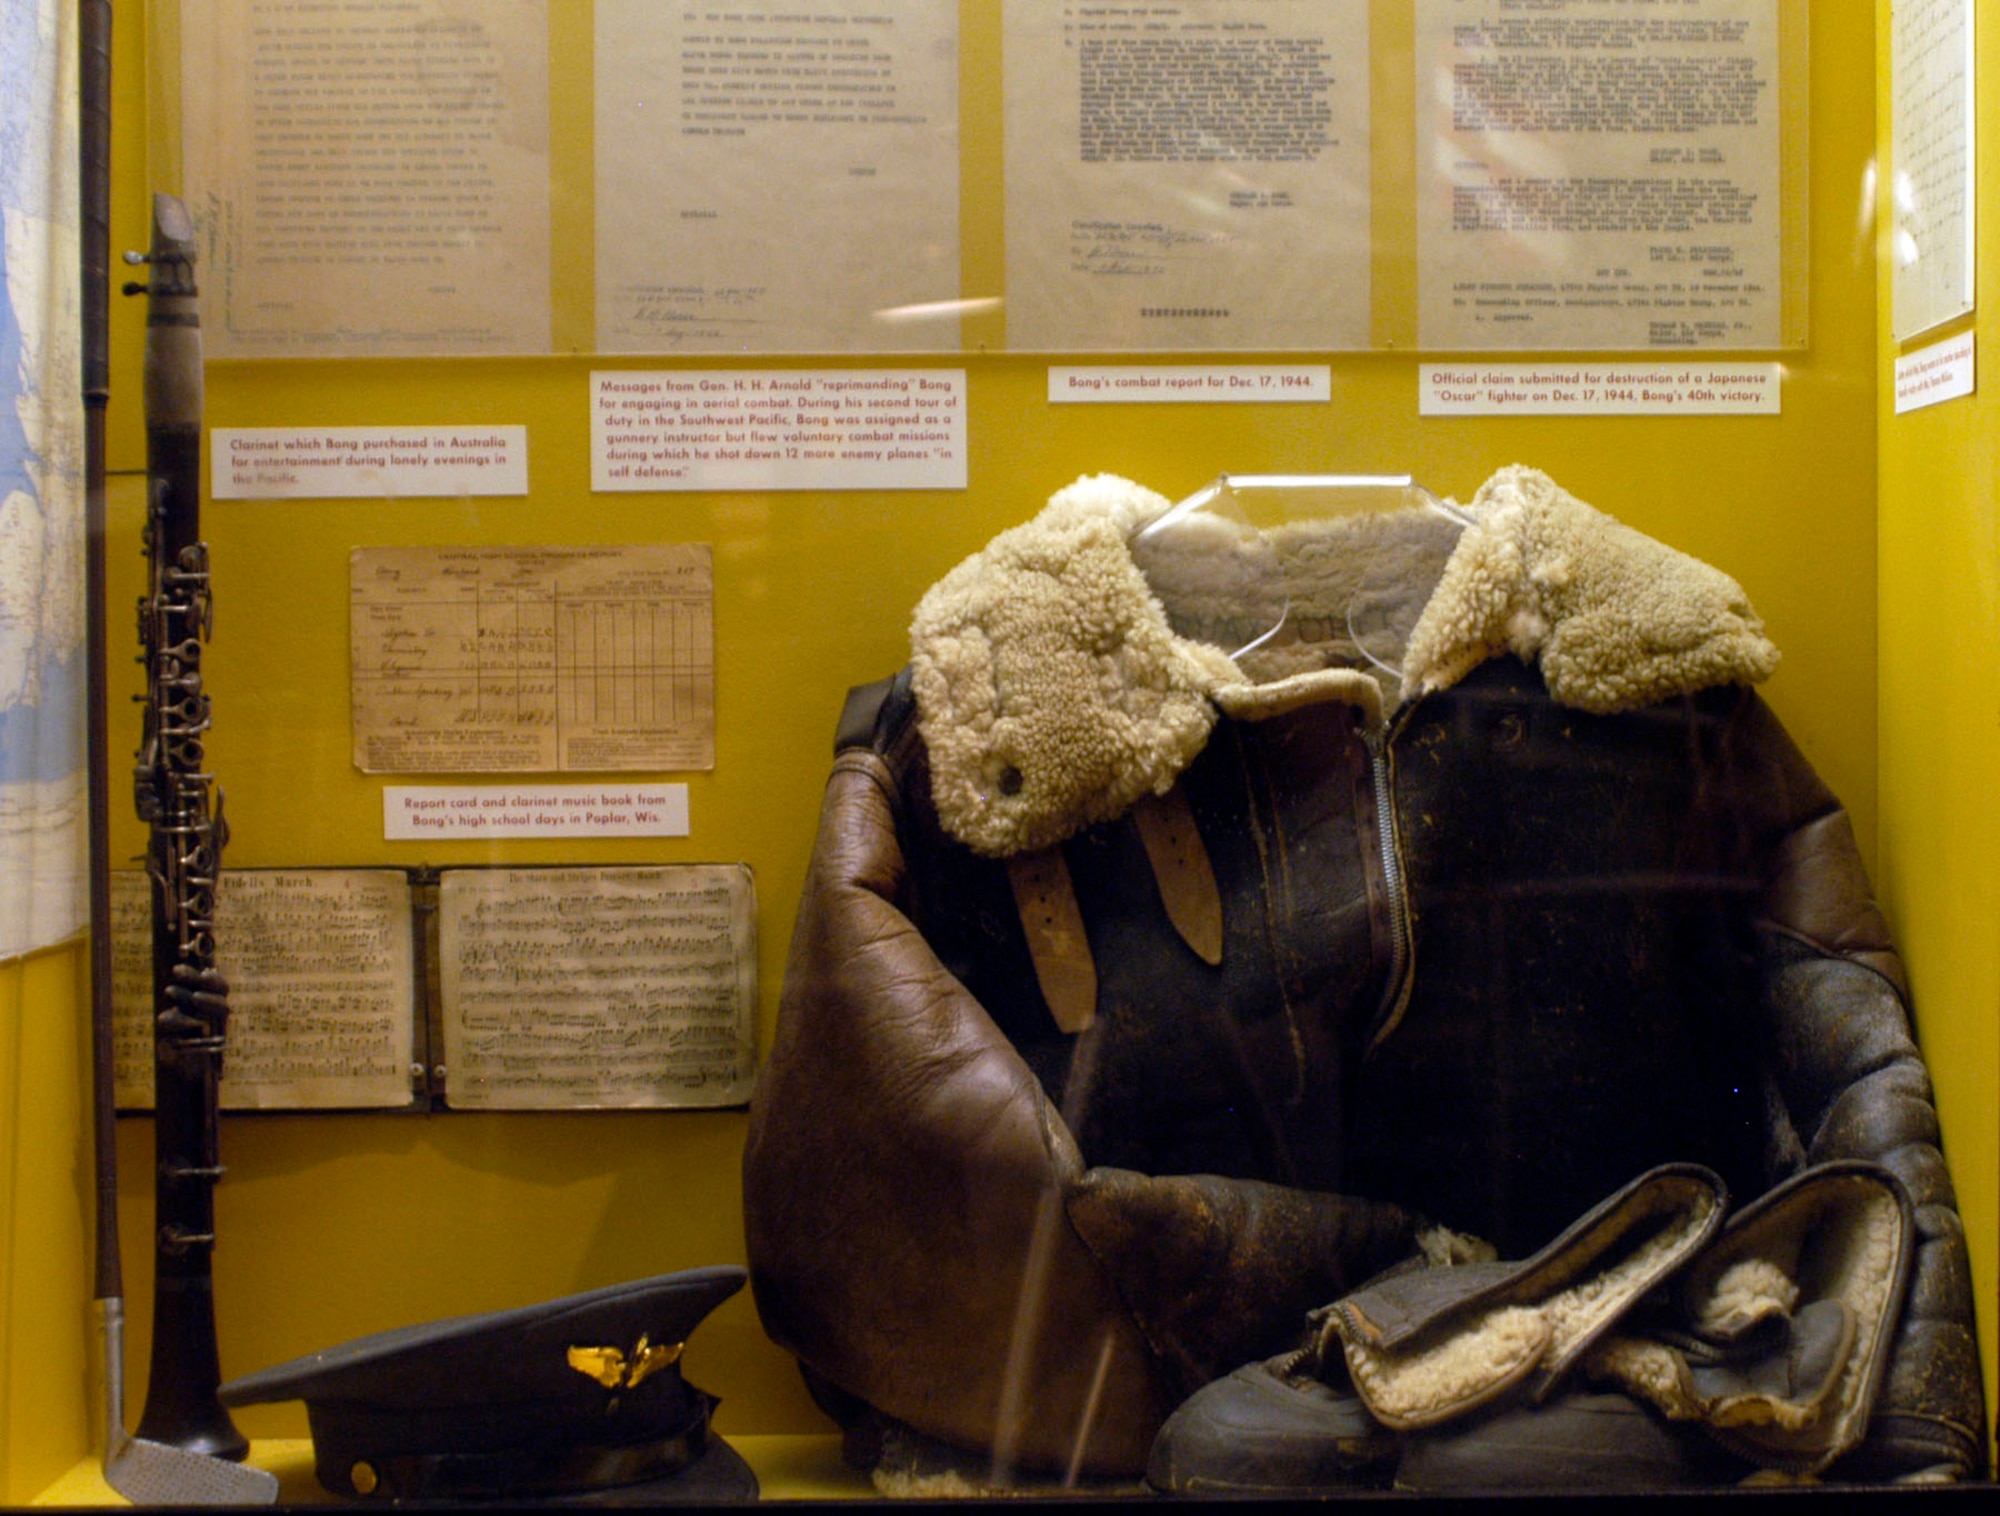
(1232, 748)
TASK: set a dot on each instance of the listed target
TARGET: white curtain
(43, 894)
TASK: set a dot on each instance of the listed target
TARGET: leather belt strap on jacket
(1182, 870)
(1053, 923)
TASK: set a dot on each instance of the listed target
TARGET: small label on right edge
(1942, 371)
(1599, 389)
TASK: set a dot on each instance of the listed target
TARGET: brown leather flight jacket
(1476, 966)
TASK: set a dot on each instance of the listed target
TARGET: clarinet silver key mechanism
(182, 809)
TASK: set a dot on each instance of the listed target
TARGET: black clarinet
(184, 858)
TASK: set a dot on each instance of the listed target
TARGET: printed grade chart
(549, 659)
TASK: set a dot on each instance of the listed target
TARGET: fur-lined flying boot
(1436, 1340)
(1290, 1425)
(1778, 1335)
(1429, 1345)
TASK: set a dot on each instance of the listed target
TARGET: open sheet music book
(572, 988)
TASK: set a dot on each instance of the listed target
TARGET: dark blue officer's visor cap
(567, 1397)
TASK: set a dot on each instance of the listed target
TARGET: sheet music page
(369, 177)
(598, 987)
(1598, 174)
(1190, 175)
(1932, 194)
(776, 178)
(322, 1004)
(533, 659)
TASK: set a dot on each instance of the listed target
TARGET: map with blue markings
(43, 895)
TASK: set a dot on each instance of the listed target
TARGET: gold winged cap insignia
(611, 1368)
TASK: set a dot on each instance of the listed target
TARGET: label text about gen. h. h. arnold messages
(778, 429)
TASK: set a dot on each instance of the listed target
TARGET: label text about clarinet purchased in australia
(366, 462)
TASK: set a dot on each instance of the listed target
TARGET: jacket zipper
(1402, 944)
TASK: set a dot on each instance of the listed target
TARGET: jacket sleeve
(903, 1185)
(1849, 1082)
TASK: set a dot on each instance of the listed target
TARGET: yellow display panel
(332, 1226)
(45, 1261)
(1939, 649)
(812, 595)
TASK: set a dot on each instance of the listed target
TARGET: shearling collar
(1053, 693)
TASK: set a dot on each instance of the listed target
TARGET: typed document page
(1189, 175)
(1598, 174)
(776, 178)
(1932, 162)
(369, 177)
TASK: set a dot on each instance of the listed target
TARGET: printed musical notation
(320, 973)
(598, 987)
(566, 988)
(508, 660)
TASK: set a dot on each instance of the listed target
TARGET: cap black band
(573, 1469)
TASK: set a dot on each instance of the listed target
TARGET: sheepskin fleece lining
(1341, 592)
(1470, 1366)
(1442, 1248)
(1655, 1372)
(1747, 1293)
(1854, 1260)
(1064, 671)
(1614, 619)
(1578, 1314)
(1051, 692)
(1856, 1265)
(1419, 1389)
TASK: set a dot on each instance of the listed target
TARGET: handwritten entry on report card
(533, 659)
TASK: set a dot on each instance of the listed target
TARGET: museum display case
(1220, 748)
